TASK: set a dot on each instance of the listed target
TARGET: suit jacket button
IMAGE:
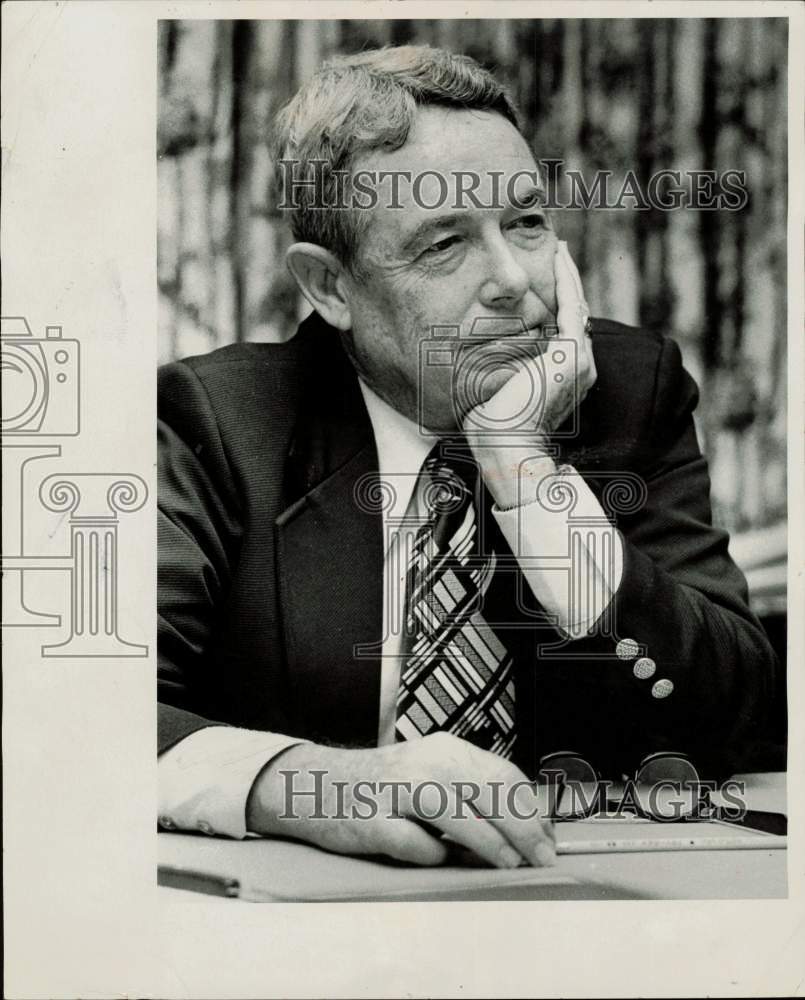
(644, 668)
(627, 649)
(662, 688)
(204, 826)
(166, 823)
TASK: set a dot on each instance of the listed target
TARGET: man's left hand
(538, 398)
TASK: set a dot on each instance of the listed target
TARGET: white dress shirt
(204, 781)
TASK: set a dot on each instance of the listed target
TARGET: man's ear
(319, 275)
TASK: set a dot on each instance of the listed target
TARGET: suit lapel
(330, 562)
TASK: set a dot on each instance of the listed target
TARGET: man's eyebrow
(534, 194)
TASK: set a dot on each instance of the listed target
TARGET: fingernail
(509, 858)
(546, 855)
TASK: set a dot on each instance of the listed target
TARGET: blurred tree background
(598, 94)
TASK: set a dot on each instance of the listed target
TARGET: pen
(759, 843)
(195, 881)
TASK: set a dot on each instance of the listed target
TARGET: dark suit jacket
(269, 573)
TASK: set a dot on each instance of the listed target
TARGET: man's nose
(507, 280)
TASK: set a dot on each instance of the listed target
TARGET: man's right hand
(476, 798)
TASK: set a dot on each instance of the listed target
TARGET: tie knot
(446, 492)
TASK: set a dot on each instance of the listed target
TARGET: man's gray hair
(356, 104)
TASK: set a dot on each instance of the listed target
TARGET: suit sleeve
(198, 538)
(705, 686)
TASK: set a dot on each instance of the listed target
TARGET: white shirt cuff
(205, 780)
(569, 552)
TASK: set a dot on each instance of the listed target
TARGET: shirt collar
(401, 449)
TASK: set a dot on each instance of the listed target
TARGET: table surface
(281, 870)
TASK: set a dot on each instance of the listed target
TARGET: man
(313, 625)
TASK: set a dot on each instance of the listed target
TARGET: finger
(593, 371)
(572, 313)
(585, 309)
(570, 304)
(519, 814)
(531, 834)
(464, 826)
(407, 841)
(585, 312)
(574, 273)
(587, 369)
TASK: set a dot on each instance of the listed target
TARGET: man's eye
(530, 222)
(441, 245)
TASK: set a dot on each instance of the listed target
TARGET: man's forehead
(449, 139)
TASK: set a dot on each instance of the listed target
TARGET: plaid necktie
(459, 676)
